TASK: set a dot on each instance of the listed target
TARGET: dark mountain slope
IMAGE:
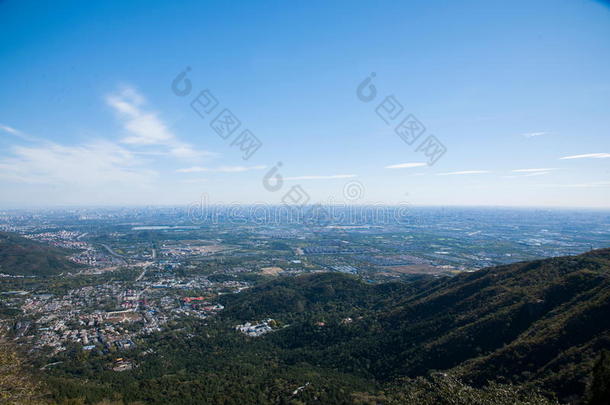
(21, 256)
(512, 321)
(543, 322)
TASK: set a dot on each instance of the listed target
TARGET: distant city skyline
(94, 109)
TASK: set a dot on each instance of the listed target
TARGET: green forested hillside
(21, 256)
(515, 334)
(542, 323)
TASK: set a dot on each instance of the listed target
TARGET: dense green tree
(599, 388)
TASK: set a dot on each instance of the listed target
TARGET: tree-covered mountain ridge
(541, 323)
(24, 257)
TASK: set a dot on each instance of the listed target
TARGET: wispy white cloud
(15, 132)
(93, 164)
(588, 156)
(463, 172)
(330, 177)
(10, 130)
(534, 170)
(535, 134)
(99, 163)
(221, 169)
(532, 174)
(145, 127)
(406, 165)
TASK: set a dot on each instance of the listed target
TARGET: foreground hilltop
(541, 323)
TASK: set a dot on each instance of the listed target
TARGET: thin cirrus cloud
(100, 162)
(588, 156)
(406, 165)
(17, 133)
(532, 172)
(535, 134)
(145, 128)
(83, 165)
(221, 169)
(463, 172)
(527, 175)
(329, 177)
(10, 130)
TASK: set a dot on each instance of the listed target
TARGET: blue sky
(517, 92)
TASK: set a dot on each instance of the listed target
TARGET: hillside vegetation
(541, 323)
(526, 333)
(24, 257)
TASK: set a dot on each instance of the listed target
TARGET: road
(141, 274)
(113, 253)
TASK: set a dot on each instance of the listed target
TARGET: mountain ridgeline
(534, 324)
